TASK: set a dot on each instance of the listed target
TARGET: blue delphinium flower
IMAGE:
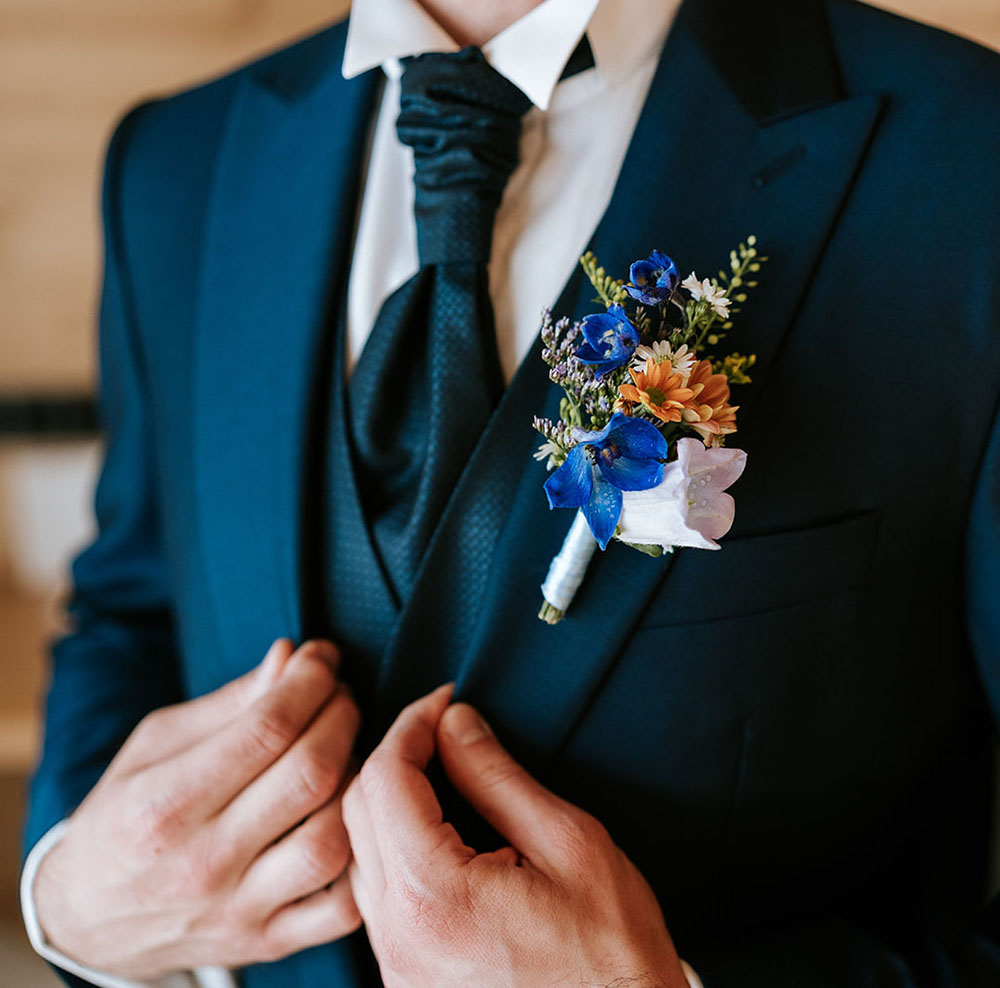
(610, 340)
(653, 280)
(626, 455)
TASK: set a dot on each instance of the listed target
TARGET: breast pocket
(752, 640)
(767, 572)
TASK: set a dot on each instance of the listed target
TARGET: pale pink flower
(689, 507)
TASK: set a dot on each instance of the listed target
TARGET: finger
(169, 730)
(298, 783)
(518, 807)
(305, 861)
(366, 867)
(321, 917)
(362, 893)
(207, 775)
(210, 712)
(406, 816)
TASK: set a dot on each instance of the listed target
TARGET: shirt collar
(531, 53)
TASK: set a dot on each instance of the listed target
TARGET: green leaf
(647, 550)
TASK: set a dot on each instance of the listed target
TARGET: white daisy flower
(704, 289)
(546, 451)
(682, 359)
(657, 351)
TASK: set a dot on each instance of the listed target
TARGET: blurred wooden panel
(68, 70)
(28, 623)
(976, 19)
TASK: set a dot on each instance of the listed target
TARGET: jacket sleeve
(944, 950)
(119, 659)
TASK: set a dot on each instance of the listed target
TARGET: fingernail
(272, 663)
(465, 726)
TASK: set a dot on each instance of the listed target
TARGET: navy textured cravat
(429, 376)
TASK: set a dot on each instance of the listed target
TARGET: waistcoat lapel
(752, 137)
(276, 248)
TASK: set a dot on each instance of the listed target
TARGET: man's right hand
(215, 836)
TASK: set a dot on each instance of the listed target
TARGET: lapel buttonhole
(771, 171)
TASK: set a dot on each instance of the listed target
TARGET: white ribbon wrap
(568, 568)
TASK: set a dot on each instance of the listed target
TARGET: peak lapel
(724, 161)
(276, 247)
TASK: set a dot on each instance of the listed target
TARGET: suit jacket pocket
(759, 573)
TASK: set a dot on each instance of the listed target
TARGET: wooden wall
(67, 70)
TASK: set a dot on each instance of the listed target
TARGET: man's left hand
(562, 905)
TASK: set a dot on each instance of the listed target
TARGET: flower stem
(567, 570)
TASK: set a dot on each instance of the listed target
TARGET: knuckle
(267, 944)
(324, 857)
(197, 875)
(150, 727)
(578, 837)
(347, 918)
(153, 720)
(152, 824)
(145, 828)
(593, 831)
(246, 933)
(316, 778)
(499, 773)
(272, 731)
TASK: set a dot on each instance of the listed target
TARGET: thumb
(517, 806)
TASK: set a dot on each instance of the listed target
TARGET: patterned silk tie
(429, 376)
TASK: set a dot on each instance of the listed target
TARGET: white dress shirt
(573, 142)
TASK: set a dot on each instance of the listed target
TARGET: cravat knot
(463, 121)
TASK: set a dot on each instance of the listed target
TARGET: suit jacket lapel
(712, 160)
(279, 227)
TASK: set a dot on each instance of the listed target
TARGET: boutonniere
(640, 448)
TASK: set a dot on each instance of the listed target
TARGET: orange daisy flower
(658, 389)
(708, 411)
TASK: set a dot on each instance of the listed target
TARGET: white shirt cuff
(203, 977)
(693, 980)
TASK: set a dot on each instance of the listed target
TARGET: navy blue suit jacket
(792, 737)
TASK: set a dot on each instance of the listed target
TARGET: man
(789, 739)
